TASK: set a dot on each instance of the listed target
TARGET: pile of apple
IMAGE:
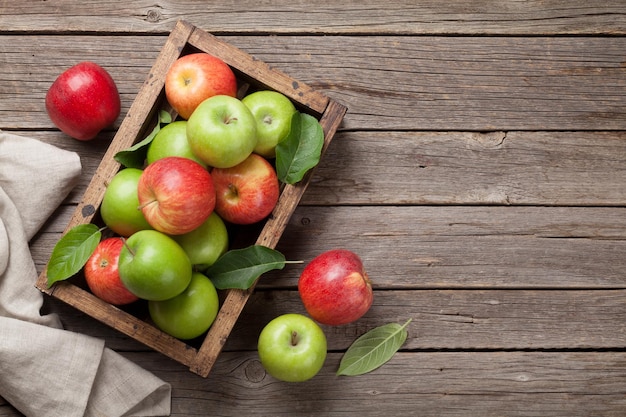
(210, 167)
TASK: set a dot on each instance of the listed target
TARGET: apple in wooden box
(186, 39)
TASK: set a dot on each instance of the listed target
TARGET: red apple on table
(102, 274)
(176, 195)
(195, 77)
(83, 100)
(247, 192)
(335, 288)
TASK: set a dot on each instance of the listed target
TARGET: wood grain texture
(455, 384)
(299, 16)
(420, 383)
(441, 168)
(454, 319)
(388, 83)
(493, 168)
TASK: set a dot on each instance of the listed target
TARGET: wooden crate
(141, 118)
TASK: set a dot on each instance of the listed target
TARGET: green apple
(206, 243)
(222, 131)
(153, 266)
(119, 208)
(189, 314)
(273, 112)
(171, 140)
(292, 348)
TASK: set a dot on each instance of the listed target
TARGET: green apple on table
(171, 140)
(222, 131)
(189, 314)
(119, 207)
(273, 112)
(205, 244)
(292, 348)
(153, 266)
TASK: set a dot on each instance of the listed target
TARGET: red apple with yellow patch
(176, 195)
(246, 193)
(195, 77)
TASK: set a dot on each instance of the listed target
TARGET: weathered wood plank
(329, 17)
(441, 319)
(476, 247)
(438, 384)
(388, 83)
(450, 247)
(424, 384)
(509, 168)
(424, 168)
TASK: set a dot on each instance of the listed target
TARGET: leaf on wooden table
(301, 150)
(373, 349)
(240, 268)
(72, 252)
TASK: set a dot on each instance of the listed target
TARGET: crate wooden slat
(139, 120)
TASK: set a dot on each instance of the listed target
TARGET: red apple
(83, 100)
(247, 192)
(102, 275)
(335, 288)
(176, 195)
(195, 77)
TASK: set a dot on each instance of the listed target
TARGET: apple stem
(141, 206)
(233, 190)
(294, 338)
(128, 247)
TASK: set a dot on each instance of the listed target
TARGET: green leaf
(72, 252)
(301, 150)
(373, 349)
(240, 268)
(135, 156)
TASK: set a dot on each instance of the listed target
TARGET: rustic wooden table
(480, 173)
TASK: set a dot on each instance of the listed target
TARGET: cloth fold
(46, 370)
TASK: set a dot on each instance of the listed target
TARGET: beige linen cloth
(45, 370)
